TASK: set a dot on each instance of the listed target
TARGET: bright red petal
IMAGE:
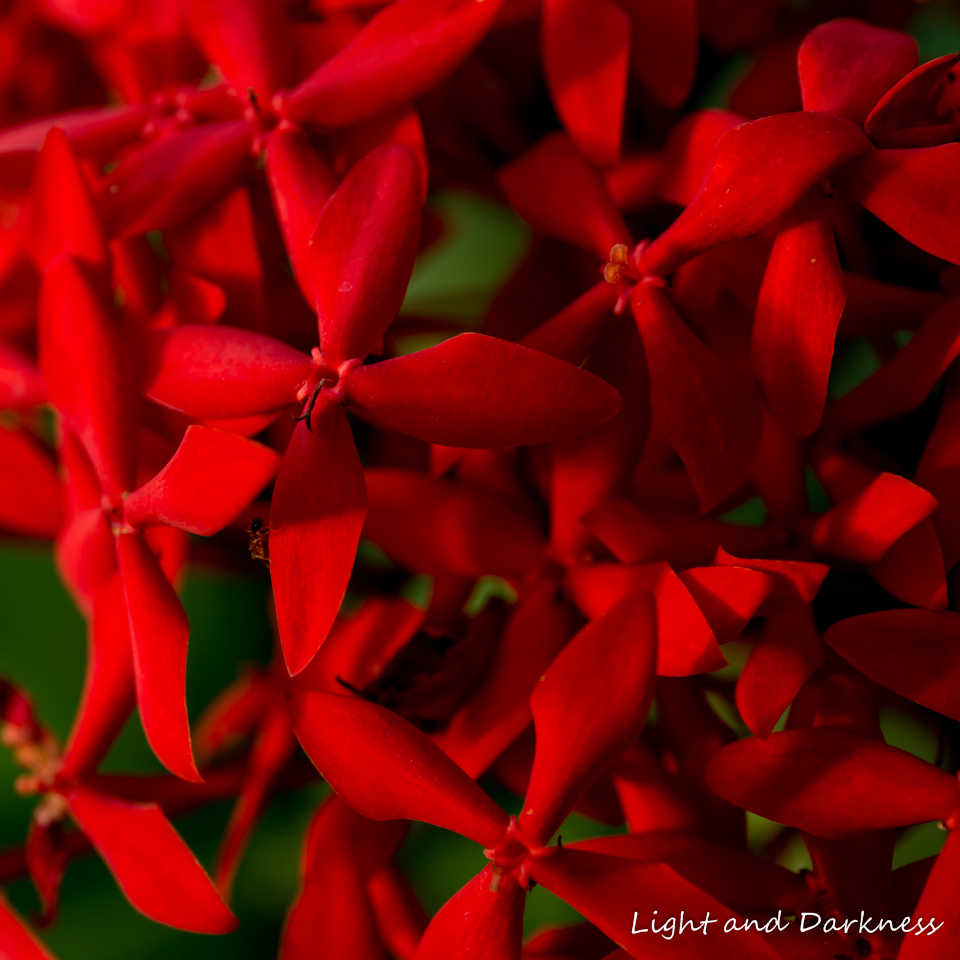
(478, 391)
(219, 373)
(585, 52)
(362, 250)
(31, 494)
(316, 515)
(152, 865)
(205, 485)
(591, 702)
(759, 171)
(830, 783)
(415, 780)
(937, 904)
(798, 311)
(16, 942)
(795, 582)
(847, 65)
(402, 52)
(159, 631)
(728, 596)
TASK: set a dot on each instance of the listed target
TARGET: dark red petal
(612, 893)
(402, 52)
(152, 865)
(912, 192)
(865, 526)
(689, 151)
(937, 904)
(84, 370)
(362, 250)
(585, 52)
(205, 485)
(20, 382)
(316, 515)
(46, 856)
(912, 652)
(31, 493)
(799, 308)
(912, 568)
(62, 215)
(909, 114)
(498, 709)
(478, 391)
(728, 596)
(440, 527)
(218, 373)
(301, 184)
(759, 171)
(904, 382)
(168, 181)
(16, 942)
(251, 42)
(847, 65)
(414, 779)
(483, 919)
(784, 657)
(591, 702)
(665, 47)
(709, 410)
(159, 632)
(830, 783)
(795, 582)
(400, 918)
(108, 689)
(554, 188)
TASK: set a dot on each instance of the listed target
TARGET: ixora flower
(471, 391)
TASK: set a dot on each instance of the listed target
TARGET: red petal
(31, 493)
(20, 381)
(909, 114)
(251, 42)
(159, 631)
(904, 382)
(847, 65)
(728, 596)
(83, 367)
(46, 857)
(62, 216)
(484, 919)
(709, 410)
(798, 311)
(830, 783)
(912, 652)
(689, 151)
(665, 47)
(400, 918)
(218, 373)
(166, 182)
(211, 478)
(414, 779)
(787, 653)
(16, 941)
(912, 568)
(912, 192)
(301, 184)
(108, 688)
(498, 709)
(591, 702)
(319, 502)
(759, 171)
(437, 527)
(402, 52)
(478, 391)
(554, 188)
(585, 52)
(865, 526)
(937, 903)
(362, 252)
(615, 894)
(150, 862)
(795, 582)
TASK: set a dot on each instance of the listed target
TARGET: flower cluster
(649, 459)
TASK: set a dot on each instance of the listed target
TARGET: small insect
(259, 540)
